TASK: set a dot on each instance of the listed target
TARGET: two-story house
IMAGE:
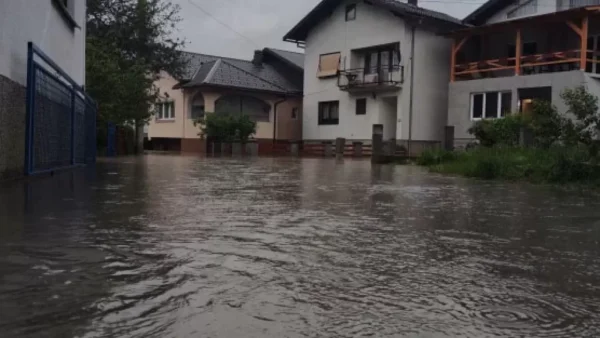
(56, 27)
(518, 51)
(267, 88)
(376, 62)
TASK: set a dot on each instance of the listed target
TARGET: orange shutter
(329, 64)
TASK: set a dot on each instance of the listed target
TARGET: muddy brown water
(169, 246)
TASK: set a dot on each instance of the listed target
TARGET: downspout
(412, 81)
(275, 118)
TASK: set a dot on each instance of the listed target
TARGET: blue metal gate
(61, 118)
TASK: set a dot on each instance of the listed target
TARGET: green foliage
(128, 44)
(545, 123)
(435, 156)
(226, 127)
(557, 164)
(504, 131)
(584, 107)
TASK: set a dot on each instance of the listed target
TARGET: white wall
(543, 7)
(373, 26)
(39, 21)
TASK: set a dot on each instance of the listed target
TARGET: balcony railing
(530, 64)
(381, 78)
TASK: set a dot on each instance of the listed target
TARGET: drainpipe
(275, 117)
(412, 81)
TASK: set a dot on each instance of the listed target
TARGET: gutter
(412, 82)
(275, 117)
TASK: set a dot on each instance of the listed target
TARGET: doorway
(389, 116)
(528, 95)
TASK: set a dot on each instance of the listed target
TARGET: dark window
(256, 109)
(511, 51)
(491, 105)
(529, 48)
(361, 106)
(506, 103)
(294, 113)
(329, 112)
(351, 12)
(477, 106)
(386, 58)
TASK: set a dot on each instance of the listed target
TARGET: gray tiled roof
(222, 71)
(293, 57)
(325, 7)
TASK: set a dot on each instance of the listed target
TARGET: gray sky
(262, 22)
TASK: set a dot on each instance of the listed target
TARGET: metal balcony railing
(381, 77)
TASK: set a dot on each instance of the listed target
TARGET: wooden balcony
(540, 52)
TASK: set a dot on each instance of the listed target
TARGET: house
(56, 27)
(518, 51)
(268, 89)
(376, 62)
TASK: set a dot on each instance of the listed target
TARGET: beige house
(268, 89)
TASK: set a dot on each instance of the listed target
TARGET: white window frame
(166, 107)
(483, 112)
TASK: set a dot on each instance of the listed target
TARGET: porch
(551, 43)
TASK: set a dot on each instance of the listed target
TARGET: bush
(504, 131)
(226, 127)
(435, 156)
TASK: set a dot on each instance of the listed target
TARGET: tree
(584, 107)
(128, 44)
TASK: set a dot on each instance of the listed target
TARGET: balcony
(371, 80)
(549, 43)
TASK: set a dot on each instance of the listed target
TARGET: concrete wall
(41, 22)
(183, 126)
(543, 7)
(375, 26)
(460, 94)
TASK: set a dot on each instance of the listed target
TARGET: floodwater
(169, 246)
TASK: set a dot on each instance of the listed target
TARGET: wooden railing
(546, 60)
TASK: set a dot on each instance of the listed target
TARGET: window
(329, 112)
(197, 108)
(361, 106)
(329, 64)
(386, 57)
(490, 105)
(165, 110)
(67, 10)
(295, 113)
(256, 109)
(529, 48)
(351, 12)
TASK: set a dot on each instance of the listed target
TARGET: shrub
(435, 156)
(226, 127)
(504, 131)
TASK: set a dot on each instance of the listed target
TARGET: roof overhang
(485, 11)
(574, 13)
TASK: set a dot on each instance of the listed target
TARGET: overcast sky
(262, 23)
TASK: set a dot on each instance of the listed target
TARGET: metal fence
(61, 118)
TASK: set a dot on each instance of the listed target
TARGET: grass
(554, 165)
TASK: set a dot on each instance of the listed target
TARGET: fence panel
(61, 118)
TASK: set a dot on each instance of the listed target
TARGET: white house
(375, 62)
(516, 51)
(57, 27)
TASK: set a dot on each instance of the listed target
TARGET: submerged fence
(61, 118)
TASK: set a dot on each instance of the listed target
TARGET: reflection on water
(167, 246)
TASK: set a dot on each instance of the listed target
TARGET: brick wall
(12, 128)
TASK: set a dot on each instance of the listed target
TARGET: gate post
(377, 155)
(72, 126)
(30, 93)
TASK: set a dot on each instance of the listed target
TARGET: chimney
(413, 2)
(258, 58)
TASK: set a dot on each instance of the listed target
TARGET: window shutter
(329, 64)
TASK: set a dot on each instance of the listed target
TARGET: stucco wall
(375, 26)
(460, 94)
(183, 126)
(288, 128)
(22, 21)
